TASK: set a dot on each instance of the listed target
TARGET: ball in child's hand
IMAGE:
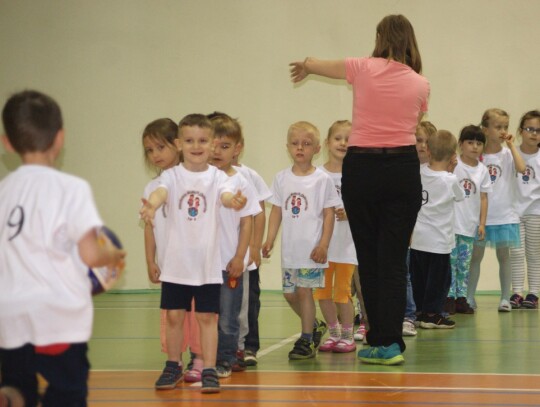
(104, 278)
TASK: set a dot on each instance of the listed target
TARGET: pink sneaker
(360, 332)
(329, 344)
(344, 346)
(192, 376)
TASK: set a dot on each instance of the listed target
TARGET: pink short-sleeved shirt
(388, 96)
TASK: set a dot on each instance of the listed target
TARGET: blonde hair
(442, 145)
(490, 113)
(428, 127)
(336, 125)
(308, 128)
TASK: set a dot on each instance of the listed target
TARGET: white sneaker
(360, 332)
(408, 328)
(505, 306)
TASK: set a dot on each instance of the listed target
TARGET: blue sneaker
(382, 355)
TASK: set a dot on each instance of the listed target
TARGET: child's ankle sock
(307, 336)
(347, 331)
(334, 330)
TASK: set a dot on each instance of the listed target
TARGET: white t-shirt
(473, 180)
(160, 222)
(44, 286)
(501, 210)
(528, 186)
(434, 229)
(257, 182)
(341, 248)
(302, 200)
(230, 220)
(192, 252)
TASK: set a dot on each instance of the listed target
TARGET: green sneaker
(382, 355)
(303, 349)
(318, 332)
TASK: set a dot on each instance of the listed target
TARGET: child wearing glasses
(502, 223)
(303, 199)
(528, 208)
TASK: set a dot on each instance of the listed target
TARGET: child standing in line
(471, 213)
(528, 208)
(303, 198)
(502, 223)
(160, 153)
(48, 239)
(193, 192)
(336, 295)
(234, 238)
(433, 235)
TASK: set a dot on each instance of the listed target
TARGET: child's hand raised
(509, 139)
(147, 212)
(298, 71)
(238, 201)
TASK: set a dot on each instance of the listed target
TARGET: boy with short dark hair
(49, 230)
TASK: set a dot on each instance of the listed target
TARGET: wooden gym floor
(489, 359)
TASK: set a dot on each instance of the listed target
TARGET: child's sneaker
(238, 366)
(303, 349)
(408, 328)
(516, 301)
(436, 321)
(530, 302)
(223, 369)
(170, 377)
(329, 344)
(504, 306)
(344, 346)
(450, 306)
(210, 381)
(360, 333)
(193, 375)
(382, 355)
(318, 332)
(250, 358)
(463, 307)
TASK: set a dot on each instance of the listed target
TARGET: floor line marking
(277, 346)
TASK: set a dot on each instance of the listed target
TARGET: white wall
(116, 65)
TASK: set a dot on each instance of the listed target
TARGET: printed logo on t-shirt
(527, 175)
(194, 203)
(468, 186)
(297, 203)
(495, 172)
(338, 190)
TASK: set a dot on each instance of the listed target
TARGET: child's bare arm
(320, 252)
(236, 265)
(150, 205)
(273, 226)
(150, 253)
(98, 251)
(483, 215)
(519, 163)
(259, 222)
(330, 69)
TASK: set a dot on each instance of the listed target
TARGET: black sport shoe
(209, 381)
(318, 332)
(436, 321)
(530, 302)
(223, 369)
(170, 377)
(250, 358)
(303, 349)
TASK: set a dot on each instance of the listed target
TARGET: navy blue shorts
(179, 296)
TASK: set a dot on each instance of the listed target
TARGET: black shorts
(179, 296)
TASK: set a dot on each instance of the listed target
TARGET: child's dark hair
(532, 114)
(195, 120)
(472, 132)
(31, 121)
(226, 126)
(163, 130)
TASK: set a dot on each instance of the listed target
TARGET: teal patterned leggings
(460, 260)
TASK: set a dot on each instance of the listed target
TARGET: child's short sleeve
(82, 212)
(331, 198)
(276, 198)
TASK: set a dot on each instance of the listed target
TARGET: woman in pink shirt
(381, 186)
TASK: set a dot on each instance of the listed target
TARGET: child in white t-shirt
(48, 239)
(336, 295)
(471, 213)
(192, 193)
(528, 209)
(235, 235)
(433, 235)
(303, 199)
(502, 223)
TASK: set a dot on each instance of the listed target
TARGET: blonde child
(335, 297)
(303, 199)
(160, 154)
(528, 208)
(192, 193)
(471, 213)
(502, 223)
